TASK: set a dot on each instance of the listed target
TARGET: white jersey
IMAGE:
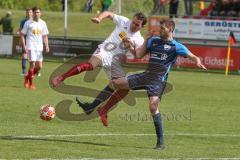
(113, 44)
(34, 32)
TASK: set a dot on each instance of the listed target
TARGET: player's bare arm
(141, 51)
(103, 15)
(196, 60)
(45, 38)
(137, 52)
(22, 41)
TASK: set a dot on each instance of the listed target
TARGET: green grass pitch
(201, 120)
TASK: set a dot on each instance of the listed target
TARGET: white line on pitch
(124, 134)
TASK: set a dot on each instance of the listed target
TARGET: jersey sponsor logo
(154, 44)
(36, 31)
(167, 47)
(110, 46)
(161, 56)
(122, 35)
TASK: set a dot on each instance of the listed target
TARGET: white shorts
(35, 55)
(112, 64)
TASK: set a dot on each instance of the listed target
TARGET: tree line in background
(53, 5)
(128, 6)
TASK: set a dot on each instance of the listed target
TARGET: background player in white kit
(36, 33)
(108, 54)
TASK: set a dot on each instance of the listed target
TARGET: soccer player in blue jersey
(164, 51)
(29, 14)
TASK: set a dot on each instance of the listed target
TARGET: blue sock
(102, 96)
(24, 65)
(157, 120)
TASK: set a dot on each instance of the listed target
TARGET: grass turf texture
(201, 106)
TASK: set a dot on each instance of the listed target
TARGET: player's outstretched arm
(196, 60)
(101, 16)
(142, 50)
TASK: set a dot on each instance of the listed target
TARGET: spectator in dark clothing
(63, 5)
(225, 8)
(237, 7)
(234, 8)
(173, 8)
(88, 6)
(162, 6)
(7, 24)
(205, 12)
(216, 8)
(156, 6)
(188, 7)
(106, 4)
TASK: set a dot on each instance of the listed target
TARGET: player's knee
(38, 67)
(153, 109)
(115, 84)
(95, 61)
(154, 106)
(120, 83)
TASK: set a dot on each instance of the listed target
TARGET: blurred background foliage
(128, 6)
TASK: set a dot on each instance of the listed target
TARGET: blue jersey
(22, 22)
(163, 55)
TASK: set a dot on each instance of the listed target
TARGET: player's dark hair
(36, 8)
(142, 17)
(168, 23)
(28, 9)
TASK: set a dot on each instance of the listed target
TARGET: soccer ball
(47, 112)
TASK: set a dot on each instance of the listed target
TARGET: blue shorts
(151, 82)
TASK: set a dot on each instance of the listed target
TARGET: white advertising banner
(201, 28)
(6, 43)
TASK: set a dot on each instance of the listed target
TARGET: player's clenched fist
(128, 43)
(96, 20)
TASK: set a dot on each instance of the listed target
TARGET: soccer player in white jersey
(109, 54)
(36, 32)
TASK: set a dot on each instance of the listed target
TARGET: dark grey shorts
(151, 82)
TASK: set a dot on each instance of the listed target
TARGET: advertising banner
(71, 47)
(213, 57)
(201, 28)
(62, 47)
(6, 42)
